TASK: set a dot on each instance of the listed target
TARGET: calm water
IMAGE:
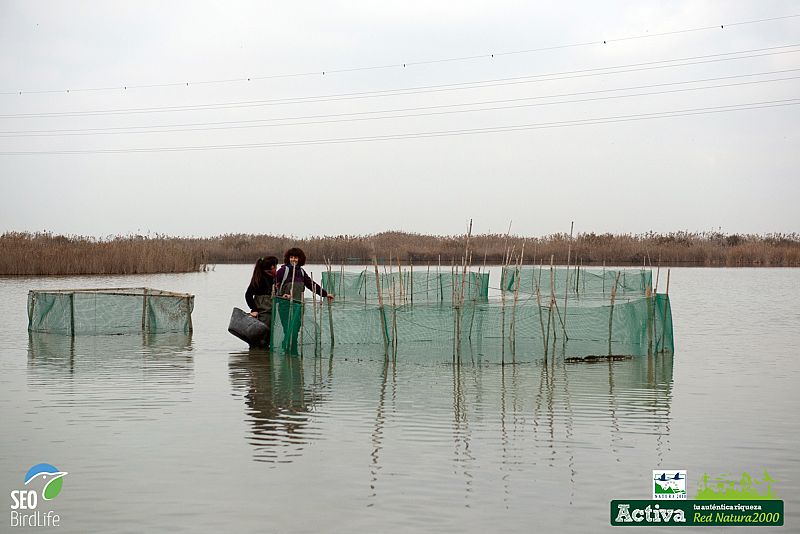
(198, 434)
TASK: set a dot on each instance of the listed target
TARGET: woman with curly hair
(291, 281)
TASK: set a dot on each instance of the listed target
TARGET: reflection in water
(508, 419)
(102, 377)
(279, 401)
(379, 423)
(462, 425)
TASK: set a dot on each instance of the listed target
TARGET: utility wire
(259, 123)
(619, 69)
(400, 64)
(441, 133)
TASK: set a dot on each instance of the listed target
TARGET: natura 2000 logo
(669, 484)
(43, 482)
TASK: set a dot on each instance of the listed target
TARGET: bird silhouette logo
(664, 477)
(50, 476)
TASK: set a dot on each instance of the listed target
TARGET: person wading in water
(259, 292)
(291, 281)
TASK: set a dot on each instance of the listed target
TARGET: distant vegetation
(23, 253)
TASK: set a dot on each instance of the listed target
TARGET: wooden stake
(513, 329)
(567, 284)
(539, 304)
(314, 308)
(330, 311)
(411, 263)
(381, 309)
(611, 311)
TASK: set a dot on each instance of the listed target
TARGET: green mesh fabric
(579, 280)
(409, 286)
(512, 326)
(109, 311)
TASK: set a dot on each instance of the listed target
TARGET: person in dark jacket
(291, 281)
(259, 292)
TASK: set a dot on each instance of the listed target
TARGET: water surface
(198, 433)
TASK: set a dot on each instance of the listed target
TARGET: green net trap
(577, 282)
(407, 286)
(576, 316)
(109, 311)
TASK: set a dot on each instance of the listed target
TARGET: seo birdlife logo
(43, 483)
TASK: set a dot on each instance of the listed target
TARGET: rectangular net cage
(537, 311)
(407, 285)
(109, 311)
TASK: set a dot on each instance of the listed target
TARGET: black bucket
(248, 329)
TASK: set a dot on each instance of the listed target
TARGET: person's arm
(249, 297)
(313, 286)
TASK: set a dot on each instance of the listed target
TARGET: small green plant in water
(748, 488)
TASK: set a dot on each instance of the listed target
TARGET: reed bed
(23, 253)
(677, 248)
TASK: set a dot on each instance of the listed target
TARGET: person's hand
(286, 296)
(253, 314)
(330, 298)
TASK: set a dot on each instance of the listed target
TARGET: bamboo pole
(291, 284)
(658, 275)
(567, 284)
(72, 314)
(314, 308)
(611, 312)
(411, 263)
(381, 309)
(503, 273)
(513, 329)
(475, 298)
(550, 306)
(144, 310)
(664, 315)
(466, 254)
(400, 279)
(439, 276)
(486, 251)
(650, 302)
(584, 277)
(460, 308)
(539, 304)
(452, 279)
(302, 320)
(341, 292)
(330, 310)
(394, 312)
(427, 282)
(604, 277)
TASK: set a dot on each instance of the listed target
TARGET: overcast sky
(572, 135)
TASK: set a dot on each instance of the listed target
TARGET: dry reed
(44, 253)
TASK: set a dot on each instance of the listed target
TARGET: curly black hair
(294, 251)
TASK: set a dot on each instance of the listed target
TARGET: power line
(534, 78)
(336, 118)
(442, 133)
(323, 72)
